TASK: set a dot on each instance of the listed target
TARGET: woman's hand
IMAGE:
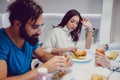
(86, 23)
(71, 49)
(102, 60)
(89, 32)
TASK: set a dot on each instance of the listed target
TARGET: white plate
(89, 57)
(108, 51)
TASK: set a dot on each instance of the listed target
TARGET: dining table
(84, 69)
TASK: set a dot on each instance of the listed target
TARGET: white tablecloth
(84, 71)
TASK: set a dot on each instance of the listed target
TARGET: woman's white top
(59, 38)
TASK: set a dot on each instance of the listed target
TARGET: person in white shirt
(64, 37)
(103, 60)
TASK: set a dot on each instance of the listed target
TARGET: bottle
(43, 74)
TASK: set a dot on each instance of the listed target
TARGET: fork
(113, 71)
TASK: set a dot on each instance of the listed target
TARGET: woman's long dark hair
(75, 33)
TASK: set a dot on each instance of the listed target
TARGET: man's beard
(31, 39)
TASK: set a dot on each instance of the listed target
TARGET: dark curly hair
(23, 10)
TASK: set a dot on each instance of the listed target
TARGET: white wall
(110, 22)
(4, 4)
(5, 20)
(106, 20)
(0, 20)
(115, 31)
(61, 6)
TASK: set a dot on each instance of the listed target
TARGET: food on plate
(99, 77)
(113, 55)
(80, 54)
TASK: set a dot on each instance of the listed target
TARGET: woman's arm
(88, 25)
(61, 50)
(88, 39)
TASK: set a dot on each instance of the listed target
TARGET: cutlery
(113, 71)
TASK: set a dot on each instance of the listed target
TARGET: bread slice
(113, 55)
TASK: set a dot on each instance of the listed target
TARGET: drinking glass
(100, 48)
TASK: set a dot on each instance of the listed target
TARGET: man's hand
(69, 61)
(56, 63)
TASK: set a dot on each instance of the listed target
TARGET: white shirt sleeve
(114, 65)
(80, 44)
(114, 46)
(49, 42)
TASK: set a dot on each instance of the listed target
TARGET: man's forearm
(46, 57)
(27, 76)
